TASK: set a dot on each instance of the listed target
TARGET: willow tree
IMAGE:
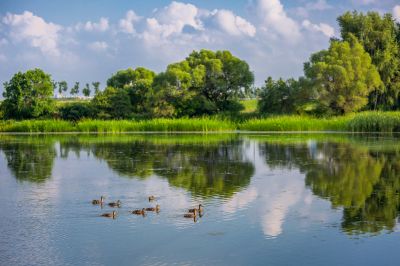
(377, 34)
(343, 76)
(205, 82)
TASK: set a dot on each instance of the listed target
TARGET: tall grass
(118, 126)
(375, 122)
(295, 123)
(360, 122)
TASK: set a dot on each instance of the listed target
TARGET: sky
(90, 40)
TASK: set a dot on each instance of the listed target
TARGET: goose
(98, 202)
(152, 209)
(110, 214)
(190, 214)
(200, 209)
(116, 204)
(151, 198)
(139, 212)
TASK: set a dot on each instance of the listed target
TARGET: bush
(76, 111)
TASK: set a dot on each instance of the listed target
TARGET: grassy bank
(361, 122)
(118, 126)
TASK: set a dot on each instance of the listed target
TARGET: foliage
(96, 87)
(86, 90)
(112, 103)
(343, 76)
(378, 36)
(28, 95)
(75, 89)
(138, 83)
(205, 81)
(62, 86)
(76, 111)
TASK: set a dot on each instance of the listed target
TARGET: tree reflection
(362, 181)
(216, 169)
(30, 160)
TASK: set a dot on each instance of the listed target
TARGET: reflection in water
(31, 160)
(216, 169)
(362, 179)
(364, 182)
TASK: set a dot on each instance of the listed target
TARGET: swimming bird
(200, 209)
(100, 201)
(152, 209)
(151, 198)
(190, 214)
(116, 204)
(110, 214)
(139, 212)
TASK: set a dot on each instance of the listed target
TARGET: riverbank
(360, 122)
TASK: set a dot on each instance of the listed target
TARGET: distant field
(250, 106)
(63, 101)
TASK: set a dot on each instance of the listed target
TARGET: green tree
(138, 83)
(62, 86)
(96, 86)
(277, 97)
(112, 103)
(378, 36)
(86, 90)
(75, 89)
(343, 76)
(216, 79)
(28, 95)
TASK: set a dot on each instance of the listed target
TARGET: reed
(360, 122)
(119, 126)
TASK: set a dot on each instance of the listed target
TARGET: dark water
(269, 199)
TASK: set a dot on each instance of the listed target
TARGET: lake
(269, 199)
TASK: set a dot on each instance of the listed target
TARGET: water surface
(270, 199)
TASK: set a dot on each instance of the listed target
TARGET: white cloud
(3, 58)
(127, 24)
(35, 30)
(171, 21)
(100, 26)
(396, 13)
(319, 5)
(232, 24)
(98, 46)
(321, 27)
(275, 20)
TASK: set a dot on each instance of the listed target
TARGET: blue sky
(89, 40)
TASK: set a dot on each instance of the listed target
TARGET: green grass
(296, 123)
(250, 106)
(360, 122)
(118, 126)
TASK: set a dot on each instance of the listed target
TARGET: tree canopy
(28, 95)
(377, 34)
(206, 82)
(343, 76)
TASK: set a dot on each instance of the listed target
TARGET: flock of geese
(191, 213)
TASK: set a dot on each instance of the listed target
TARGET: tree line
(359, 71)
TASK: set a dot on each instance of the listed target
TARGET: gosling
(139, 212)
(110, 214)
(98, 202)
(152, 209)
(191, 214)
(151, 198)
(200, 209)
(116, 204)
